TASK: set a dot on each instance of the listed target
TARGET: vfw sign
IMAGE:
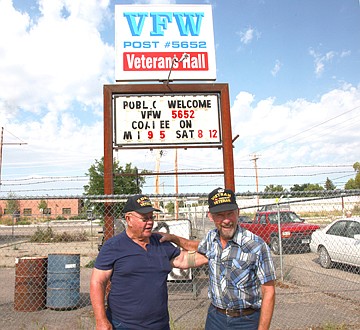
(164, 42)
(174, 119)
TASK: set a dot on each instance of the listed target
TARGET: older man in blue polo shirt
(137, 265)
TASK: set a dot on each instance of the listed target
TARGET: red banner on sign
(160, 61)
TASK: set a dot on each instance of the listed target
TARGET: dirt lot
(308, 296)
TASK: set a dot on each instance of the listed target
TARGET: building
(40, 207)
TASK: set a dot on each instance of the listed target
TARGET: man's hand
(103, 325)
(166, 237)
(184, 243)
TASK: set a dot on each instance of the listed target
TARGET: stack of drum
(52, 282)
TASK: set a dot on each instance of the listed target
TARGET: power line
(80, 177)
(63, 178)
(308, 129)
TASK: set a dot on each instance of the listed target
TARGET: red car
(294, 232)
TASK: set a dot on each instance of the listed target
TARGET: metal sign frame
(161, 89)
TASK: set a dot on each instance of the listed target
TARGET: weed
(330, 326)
(47, 235)
(90, 264)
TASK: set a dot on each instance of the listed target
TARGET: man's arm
(184, 243)
(188, 259)
(98, 282)
(267, 305)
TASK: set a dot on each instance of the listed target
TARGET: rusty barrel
(63, 281)
(30, 283)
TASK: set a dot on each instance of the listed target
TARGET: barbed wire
(14, 185)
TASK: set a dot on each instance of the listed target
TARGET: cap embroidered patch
(222, 200)
(139, 204)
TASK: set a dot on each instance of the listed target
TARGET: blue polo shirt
(138, 297)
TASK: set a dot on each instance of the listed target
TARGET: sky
(293, 70)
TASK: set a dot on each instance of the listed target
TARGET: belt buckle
(228, 311)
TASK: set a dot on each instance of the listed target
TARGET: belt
(235, 312)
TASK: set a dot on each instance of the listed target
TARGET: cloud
(53, 70)
(345, 53)
(299, 131)
(246, 36)
(276, 68)
(154, 2)
(53, 67)
(49, 61)
(320, 60)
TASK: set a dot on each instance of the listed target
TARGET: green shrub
(42, 235)
(23, 221)
(78, 217)
(47, 235)
(60, 217)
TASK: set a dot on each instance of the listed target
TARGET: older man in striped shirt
(241, 270)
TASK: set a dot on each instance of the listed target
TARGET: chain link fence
(48, 246)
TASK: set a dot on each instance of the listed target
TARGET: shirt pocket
(243, 268)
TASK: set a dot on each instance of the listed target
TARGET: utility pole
(1, 148)
(254, 159)
(159, 153)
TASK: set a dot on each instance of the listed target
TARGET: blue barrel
(63, 281)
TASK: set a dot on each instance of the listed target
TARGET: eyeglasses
(143, 219)
(224, 215)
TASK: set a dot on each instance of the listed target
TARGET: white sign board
(176, 119)
(181, 228)
(164, 42)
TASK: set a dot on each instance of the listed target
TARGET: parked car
(244, 219)
(338, 242)
(295, 232)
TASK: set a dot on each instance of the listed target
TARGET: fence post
(280, 243)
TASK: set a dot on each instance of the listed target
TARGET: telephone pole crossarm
(2, 143)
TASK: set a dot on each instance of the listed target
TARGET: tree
(354, 183)
(313, 187)
(329, 185)
(12, 205)
(297, 187)
(307, 187)
(170, 207)
(126, 180)
(272, 188)
(42, 205)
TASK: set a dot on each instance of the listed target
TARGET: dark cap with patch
(221, 200)
(140, 204)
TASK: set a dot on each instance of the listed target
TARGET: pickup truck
(295, 233)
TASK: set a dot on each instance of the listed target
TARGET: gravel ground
(308, 297)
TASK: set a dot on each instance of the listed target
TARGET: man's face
(226, 223)
(140, 225)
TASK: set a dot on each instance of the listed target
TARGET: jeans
(117, 325)
(218, 321)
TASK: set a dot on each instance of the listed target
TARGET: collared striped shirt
(237, 271)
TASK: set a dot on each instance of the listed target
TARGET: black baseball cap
(221, 199)
(140, 204)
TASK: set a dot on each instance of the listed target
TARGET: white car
(338, 242)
